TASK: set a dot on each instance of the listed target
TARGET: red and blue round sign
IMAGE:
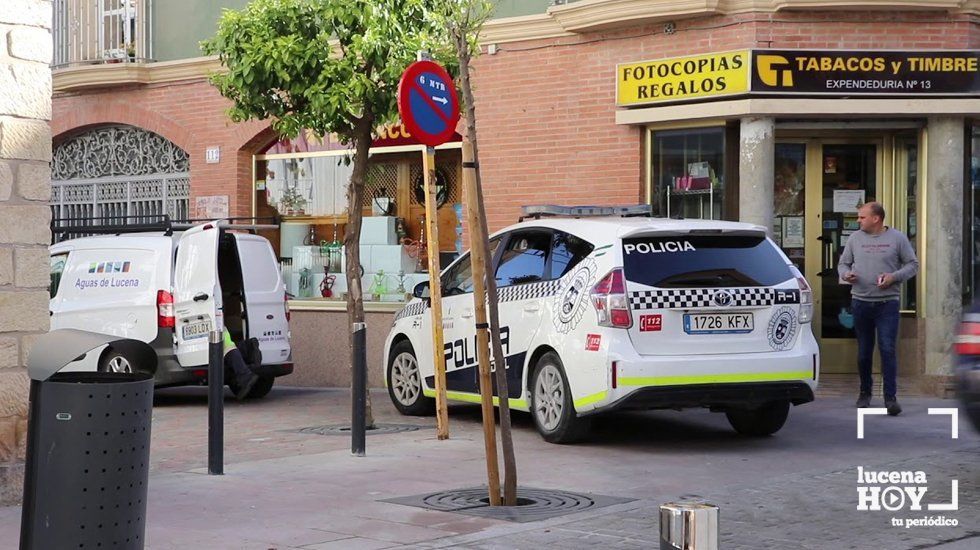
(427, 103)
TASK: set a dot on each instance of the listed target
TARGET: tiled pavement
(284, 489)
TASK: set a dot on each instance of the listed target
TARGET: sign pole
(435, 291)
(429, 107)
(478, 259)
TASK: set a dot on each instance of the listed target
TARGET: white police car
(608, 312)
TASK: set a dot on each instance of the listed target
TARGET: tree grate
(344, 429)
(532, 504)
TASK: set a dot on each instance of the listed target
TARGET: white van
(166, 288)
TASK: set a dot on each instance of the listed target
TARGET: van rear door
(197, 293)
(709, 293)
(265, 310)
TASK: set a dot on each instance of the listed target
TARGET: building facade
(785, 114)
(25, 151)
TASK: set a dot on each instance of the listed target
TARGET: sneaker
(245, 386)
(864, 401)
(894, 409)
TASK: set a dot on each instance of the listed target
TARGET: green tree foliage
(324, 65)
(330, 66)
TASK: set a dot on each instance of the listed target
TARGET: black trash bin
(88, 453)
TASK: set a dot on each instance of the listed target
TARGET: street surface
(284, 489)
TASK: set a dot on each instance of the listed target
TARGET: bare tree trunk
(500, 360)
(352, 238)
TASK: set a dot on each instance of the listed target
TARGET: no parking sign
(427, 102)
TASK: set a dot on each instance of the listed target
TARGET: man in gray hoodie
(875, 262)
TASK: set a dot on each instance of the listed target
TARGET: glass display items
(305, 282)
(334, 250)
(326, 285)
(379, 286)
(401, 283)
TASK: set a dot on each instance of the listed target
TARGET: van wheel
(766, 420)
(116, 362)
(261, 388)
(551, 403)
(405, 382)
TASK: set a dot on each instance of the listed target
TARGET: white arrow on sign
(440, 99)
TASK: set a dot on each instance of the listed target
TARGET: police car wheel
(551, 403)
(765, 420)
(116, 362)
(405, 382)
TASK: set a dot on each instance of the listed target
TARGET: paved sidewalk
(286, 490)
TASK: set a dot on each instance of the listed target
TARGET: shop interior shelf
(316, 220)
(686, 192)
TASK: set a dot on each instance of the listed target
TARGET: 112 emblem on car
(651, 323)
(592, 342)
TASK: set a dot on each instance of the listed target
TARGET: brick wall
(192, 115)
(25, 187)
(546, 108)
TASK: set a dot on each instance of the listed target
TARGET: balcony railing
(88, 32)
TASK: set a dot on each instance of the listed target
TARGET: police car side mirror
(421, 290)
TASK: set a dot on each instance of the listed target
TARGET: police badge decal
(782, 328)
(573, 295)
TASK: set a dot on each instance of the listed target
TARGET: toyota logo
(723, 298)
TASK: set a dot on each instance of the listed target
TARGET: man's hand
(850, 277)
(885, 280)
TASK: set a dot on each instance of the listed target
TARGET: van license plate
(718, 323)
(199, 329)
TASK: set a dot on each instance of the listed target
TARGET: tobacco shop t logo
(771, 70)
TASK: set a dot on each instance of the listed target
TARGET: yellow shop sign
(682, 78)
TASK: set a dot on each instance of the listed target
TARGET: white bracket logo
(880, 411)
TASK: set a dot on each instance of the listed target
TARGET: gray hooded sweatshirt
(868, 256)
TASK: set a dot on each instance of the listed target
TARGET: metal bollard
(359, 392)
(688, 525)
(216, 405)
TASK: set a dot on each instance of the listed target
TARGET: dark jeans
(236, 362)
(883, 318)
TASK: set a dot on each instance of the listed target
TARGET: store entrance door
(818, 186)
(849, 175)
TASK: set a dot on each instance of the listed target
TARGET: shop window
(907, 207)
(972, 240)
(307, 186)
(789, 200)
(688, 173)
(308, 189)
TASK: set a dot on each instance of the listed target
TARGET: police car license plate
(199, 329)
(718, 323)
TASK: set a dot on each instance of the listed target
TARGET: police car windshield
(703, 261)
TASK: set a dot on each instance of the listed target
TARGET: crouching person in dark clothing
(244, 377)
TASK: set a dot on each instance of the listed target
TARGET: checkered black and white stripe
(411, 310)
(527, 291)
(686, 298)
